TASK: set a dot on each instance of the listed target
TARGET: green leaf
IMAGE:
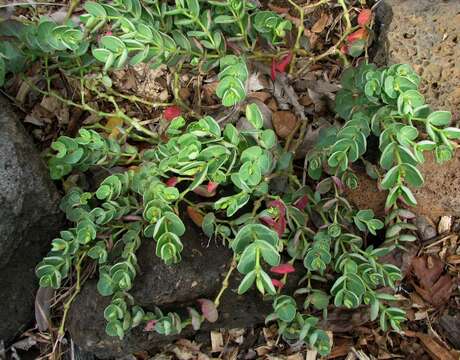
(251, 232)
(208, 224)
(266, 282)
(95, 9)
(412, 175)
(440, 118)
(247, 282)
(357, 47)
(254, 116)
(391, 177)
(224, 19)
(268, 139)
(452, 132)
(113, 43)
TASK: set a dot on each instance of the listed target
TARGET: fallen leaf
(260, 95)
(321, 23)
(427, 269)
(433, 286)
(284, 123)
(43, 300)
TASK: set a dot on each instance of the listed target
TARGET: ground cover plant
(308, 226)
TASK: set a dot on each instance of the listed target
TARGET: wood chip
(217, 341)
(436, 350)
(445, 223)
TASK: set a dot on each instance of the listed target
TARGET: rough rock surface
(438, 196)
(198, 275)
(29, 219)
(425, 34)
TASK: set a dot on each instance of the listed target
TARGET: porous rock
(29, 219)
(424, 34)
(439, 195)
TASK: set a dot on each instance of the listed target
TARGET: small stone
(425, 228)
(284, 123)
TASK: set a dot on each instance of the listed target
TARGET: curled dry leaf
(43, 301)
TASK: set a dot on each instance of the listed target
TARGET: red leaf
(364, 17)
(338, 183)
(150, 326)
(171, 112)
(212, 186)
(283, 269)
(172, 181)
(268, 221)
(357, 35)
(301, 203)
(203, 191)
(280, 226)
(277, 283)
(285, 61)
(209, 310)
(344, 49)
(279, 205)
(195, 215)
(273, 70)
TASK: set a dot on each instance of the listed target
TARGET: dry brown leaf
(427, 269)
(260, 95)
(321, 24)
(43, 300)
(284, 123)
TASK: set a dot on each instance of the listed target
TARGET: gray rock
(425, 34)
(29, 219)
(198, 275)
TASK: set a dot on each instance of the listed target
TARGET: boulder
(29, 219)
(439, 195)
(199, 275)
(424, 34)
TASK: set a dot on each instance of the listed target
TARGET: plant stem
(225, 283)
(68, 303)
(300, 30)
(73, 5)
(346, 15)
